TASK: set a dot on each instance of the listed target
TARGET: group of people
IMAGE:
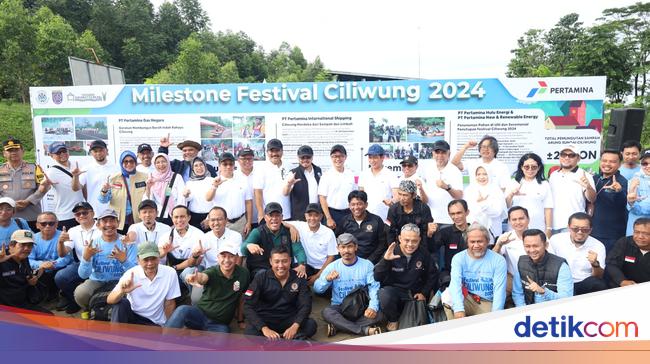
(176, 244)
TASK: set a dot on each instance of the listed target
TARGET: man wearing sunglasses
(584, 254)
(571, 186)
(302, 187)
(59, 176)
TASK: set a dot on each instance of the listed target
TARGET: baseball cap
(11, 143)
(274, 144)
(56, 147)
(82, 205)
(407, 186)
(313, 207)
(272, 207)
(189, 143)
(107, 213)
(376, 149)
(227, 248)
(409, 160)
(147, 203)
(441, 145)
(227, 156)
(305, 151)
(23, 236)
(338, 148)
(245, 152)
(8, 200)
(97, 144)
(147, 250)
(645, 154)
(144, 147)
(570, 147)
(346, 238)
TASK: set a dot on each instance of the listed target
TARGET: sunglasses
(568, 155)
(47, 223)
(62, 151)
(645, 164)
(580, 230)
(81, 213)
(530, 167)
(128, 161)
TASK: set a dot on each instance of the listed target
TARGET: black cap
(645, 154)
(440, 145)
(147, 203)
(97, 144)
(272, 207)
(274, 144)
(313, 207)
(11, 143)
(338, 148)
(144, 146)
(305, 150)
(82, 205)
(226, 156)
(409, 159)
(245, 152)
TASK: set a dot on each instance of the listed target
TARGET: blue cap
(376, 149)
(56, 147)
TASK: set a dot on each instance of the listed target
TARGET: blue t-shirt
(350, 277)
(45, 251)
(101, 267)
(485, 277)
(6, 231)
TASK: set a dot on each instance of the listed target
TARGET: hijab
(198, 177)
(128, 153)
(161, 180)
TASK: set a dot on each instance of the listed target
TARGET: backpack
(354, 305)
(99, 309)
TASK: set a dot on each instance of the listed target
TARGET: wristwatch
(448, 187)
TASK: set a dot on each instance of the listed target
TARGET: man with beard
(409, 210)
(148, 229)
(270, 180)
(368, 229)
(610, 207)
(145, 155)
(146, 293)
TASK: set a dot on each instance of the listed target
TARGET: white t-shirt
(534, 197)
(184, 243)
(498, 171)
(79, 236)
(66, 198)
(561, 245)
(147, 170)
(196, 199)
(143, 234)
(148, 300)
(489, 212)
(94, 179)
(568, 195)
(232, 195)
(176, 191)
(270, 179)
(249, 186)
(512, 251)
(318, 245)
(312, 186)
(379, 187)
(438, 197)
(336, 186)
(210, 241)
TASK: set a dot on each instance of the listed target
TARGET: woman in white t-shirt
(487, 205)
(164, 183)
(195, 189)
(531, 190)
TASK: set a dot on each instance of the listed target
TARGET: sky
(407, 38)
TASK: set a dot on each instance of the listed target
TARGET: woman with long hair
(531, 190)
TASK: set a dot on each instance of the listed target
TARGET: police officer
(20, 181)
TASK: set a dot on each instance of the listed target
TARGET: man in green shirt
(272, 234)
(223, 286)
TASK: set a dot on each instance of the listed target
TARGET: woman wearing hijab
(165, 187)
(638, 193)
(124, 191)
(195, 190)
(531, 190)
(487, 205)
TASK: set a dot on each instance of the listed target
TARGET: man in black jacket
(368, 228)
(190, 150)
(629, 262)
(410, 210)
(302, 187)
(405, 273)
(277, 304)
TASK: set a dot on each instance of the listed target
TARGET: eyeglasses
(305, 157)
(645, 164)
(584, 230)
(6, 209)
(641, 233)
(530, 167)
(62, 151)
(47, 223)
(81, 213)
(227, 164)
(568, 155)
(128, 161)
(408, 165)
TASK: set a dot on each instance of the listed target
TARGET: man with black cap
(74, 241)
(245, 160)
(59, 176)
(410, 210)
(335, 186)
(20, 181)
(378, 182)
(270, 180)
(443, 183)
(147, 230)
(302, 184)
(146, 293)
(145, 156)
(17, 279)
(95, 175)
(190, 151)
(257, 246)
(230, 192)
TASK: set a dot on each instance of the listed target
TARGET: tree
(193, 15)
(228, 73)
(75, 12)
(87, 41)
(193, 65)
(168, 23)
(529, 56)
(17, 46)
(55, 41)
(561, 40)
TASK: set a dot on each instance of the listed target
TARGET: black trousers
(307, 328)
(591, 284)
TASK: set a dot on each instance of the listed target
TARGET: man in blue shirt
(541, 276)
(610, 207)
(345, 275)
(9, 223)
(478, 278)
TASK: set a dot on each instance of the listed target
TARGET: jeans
(332, 314)
(193, 318)
(67, 279)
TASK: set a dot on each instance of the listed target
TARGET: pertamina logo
(538, 90)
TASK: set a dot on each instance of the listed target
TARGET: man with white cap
(146, 293)
(378, 182)
(571, 186)
(9, 223)
(223, 286)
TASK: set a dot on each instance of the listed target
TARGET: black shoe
(62, 304)
(72, 308)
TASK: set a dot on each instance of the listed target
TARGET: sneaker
(373, 330)
(331, 330)
(85, 315)
(392, 326)
(74, 308)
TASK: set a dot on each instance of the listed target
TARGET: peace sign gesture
(129, 285)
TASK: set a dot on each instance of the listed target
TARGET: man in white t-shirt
(59, 176)
(335, 186)
(378, 182)
(146, 293)
(178, 244)
(218, 236)
(95, 175)
(302, 184)
(443, 183)
(147, 230)
(270, 180)
(584, 254)
(318, 241)
(245, 161)
(511, 245)
(571, 187)
(145, 156)
(488, 148)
